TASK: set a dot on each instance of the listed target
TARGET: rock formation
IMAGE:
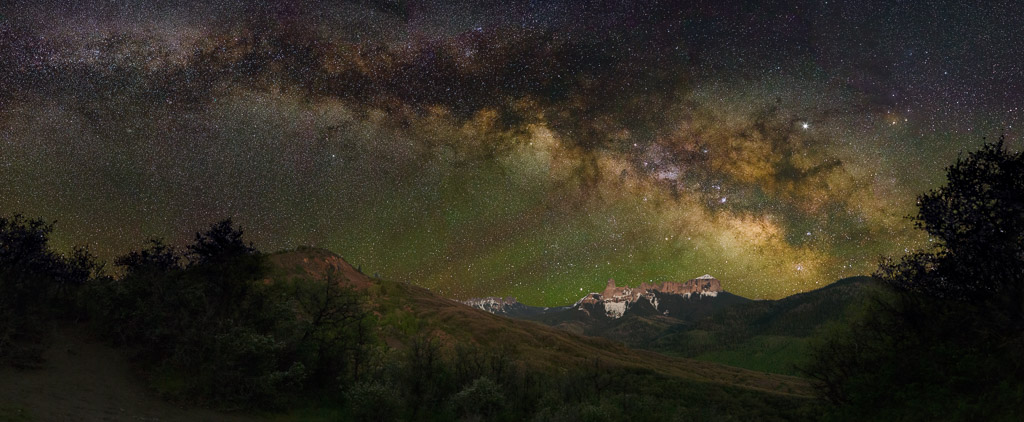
(616, 300)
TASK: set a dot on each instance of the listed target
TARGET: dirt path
(85, 380)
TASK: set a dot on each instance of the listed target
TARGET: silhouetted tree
(226, 264)
(157, 258)
(212, 319)
(977, 221)
(221, 242)
(944, 340)
(36, 284)
(333, 322)
(236, 334)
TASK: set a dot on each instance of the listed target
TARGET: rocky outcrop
(508, 306)
(494, 305)
(615, 300)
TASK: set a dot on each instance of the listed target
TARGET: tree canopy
(944, 339)
(34, 282)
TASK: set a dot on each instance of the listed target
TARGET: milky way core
(514, 148)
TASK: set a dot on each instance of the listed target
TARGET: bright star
(805, 125)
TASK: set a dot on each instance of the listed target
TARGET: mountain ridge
(719, 326)
(612, 302)
(542, 346)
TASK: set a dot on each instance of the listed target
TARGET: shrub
(482, 398)
(944, 341)
(374, 401)
(36, 284)
(248, 343)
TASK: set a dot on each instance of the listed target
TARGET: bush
(249, 343)
(374, 401)
(944, 340)
(36, 285)
(482, 398)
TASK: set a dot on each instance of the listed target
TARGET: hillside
(553, 363)
(714, 325)
(406, 310)
(400, 352)
(82, 379)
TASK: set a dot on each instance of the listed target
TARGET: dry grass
(548, 348)
(538, 346)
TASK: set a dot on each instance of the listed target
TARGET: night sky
(516, 148)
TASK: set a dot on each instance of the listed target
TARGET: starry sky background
(516, 148)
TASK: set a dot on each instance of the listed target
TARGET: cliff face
(508, 306)
(704, 285)
(494, 305)
(701, 285)
(616, 300)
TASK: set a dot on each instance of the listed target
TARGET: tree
(977, 220)
(157, 258)
(480, 400)
(225, 263)
(36, 284)
(221, 242)
(226, 330)
(944, 338)
(333, 328)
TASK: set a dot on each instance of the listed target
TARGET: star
(453, 152)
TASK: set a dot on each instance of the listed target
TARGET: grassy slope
(774, 354)
(406, 310)
(767, 336)
(547, 348)
(78, 380)
(83, 379)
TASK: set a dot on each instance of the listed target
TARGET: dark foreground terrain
(330, 343)
(83, 379)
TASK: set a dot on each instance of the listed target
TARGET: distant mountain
(797, 315)
(668, 298)
(509, 306)
(698, 318)
(764, 335)
(638, 315)
(406, 312)
(680, 300)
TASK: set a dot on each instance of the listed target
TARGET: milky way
(530, 149)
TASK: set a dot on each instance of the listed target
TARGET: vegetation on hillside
(208, 327)
(36, 285)
(218, 323)
(762, 335)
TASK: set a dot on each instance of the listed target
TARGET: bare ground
(83, 379)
